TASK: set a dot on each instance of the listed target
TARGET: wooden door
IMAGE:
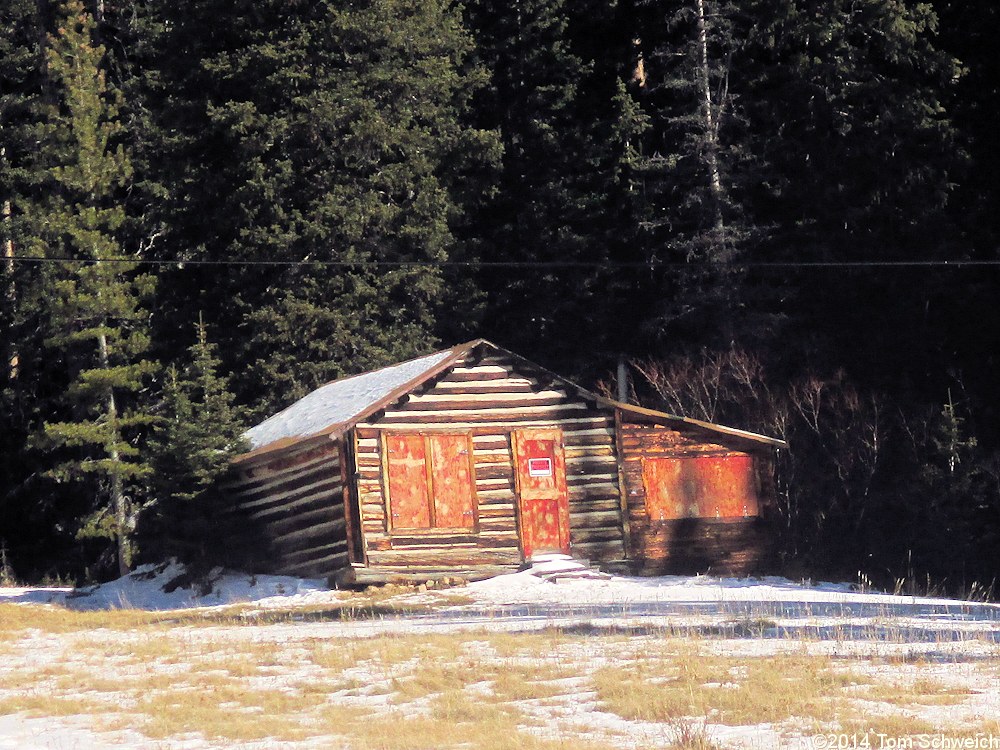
(452, 481)
(543, 500)
(406, 472)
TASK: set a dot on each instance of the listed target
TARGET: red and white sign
(539, 467)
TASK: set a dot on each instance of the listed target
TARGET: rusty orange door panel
(699, 487)
(409, 506)
(452, 481)
(543, 499)
(730, 490)
(669, 492)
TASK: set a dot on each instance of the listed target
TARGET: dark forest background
(782, 213)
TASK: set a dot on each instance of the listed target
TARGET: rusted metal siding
(488, 399)
(693, 504)
(699, 487)
(292, 508)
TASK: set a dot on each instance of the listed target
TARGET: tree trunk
(11, 291)
(116, 491)
(709, 121)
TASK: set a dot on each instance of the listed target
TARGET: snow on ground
(154, 588)
(749, 617)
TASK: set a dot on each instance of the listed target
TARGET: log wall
(489, 398)
(292, 508)
(735, 546)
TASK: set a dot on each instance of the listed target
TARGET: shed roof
(340, 404)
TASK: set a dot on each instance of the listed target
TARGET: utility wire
(608, 265)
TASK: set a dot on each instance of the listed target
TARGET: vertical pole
(622, 379)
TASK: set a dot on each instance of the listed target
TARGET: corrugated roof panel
(339, 401)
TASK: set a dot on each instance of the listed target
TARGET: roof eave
(713, 427)
(334, 431)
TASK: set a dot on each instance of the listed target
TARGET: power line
(596, 265)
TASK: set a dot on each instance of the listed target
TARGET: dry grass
(920, 692)
(38, 703)
(888, 725)
(477, 691)
(727, 690)
(230, 711)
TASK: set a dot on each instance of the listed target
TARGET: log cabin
(469, 461)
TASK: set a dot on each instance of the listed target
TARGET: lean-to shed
(468, 461)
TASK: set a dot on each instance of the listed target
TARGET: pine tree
(23, 518)
(199, 432)
(551, 98)
(313, 132)
(694, 167)
(848, 105)
(98, 327)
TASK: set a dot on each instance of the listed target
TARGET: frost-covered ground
(945, 649)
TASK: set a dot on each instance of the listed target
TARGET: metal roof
(339, 401)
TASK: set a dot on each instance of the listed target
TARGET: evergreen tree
(313, 132)
(25, 520)
(695, 166)
(97, 326)
(199, 432)
(551, 100)
(848, 105)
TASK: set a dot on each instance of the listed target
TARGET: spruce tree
(21, 87)
(199, 431)
(311, 133)
(694, 166)
(550, 96)
(97, 326)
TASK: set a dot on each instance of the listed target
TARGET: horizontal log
(502, 385)
(600, 534)
(555, 413)
(444, 558)
(459, 544)
(497, 509)
(608, 482)
(467, 376)
(494, 494)
(601, 450)
(601, 465)
(446, 400)
(490, 428)
(491, 443)
(600, 551)
(580, 506)
(609, 519)
(484, 458)
(329, 494)
(298, 556)
(492, 368)
(279, 528)
(328, 531)
(286, 461)
(324, 568)
(369, 576)
(264, 485)
(494, 471)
